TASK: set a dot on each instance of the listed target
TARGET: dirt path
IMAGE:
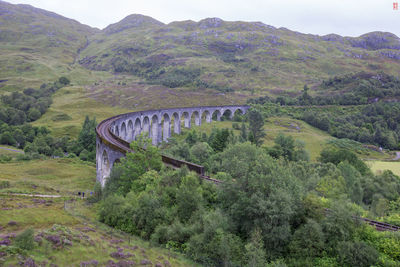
(9, 149)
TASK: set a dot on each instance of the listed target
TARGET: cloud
(344, 17)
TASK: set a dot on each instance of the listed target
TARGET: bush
(25, 240)
(5, 158)
(4, 184)
(24, 157)
(64, 80)
(97, 195)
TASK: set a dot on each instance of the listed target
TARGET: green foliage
(25, 240)
(357, 254)
(64, 80)
(189, 197)
(201, 153)
(338, 225)
(255, 252)
(267, 209)
(87, 136)
(336, 156)
(29, 105)
(215, 246)
(256, 124)
(5, 158)
(308, 241)
(219, 138)
(4, 184)
(135, 165)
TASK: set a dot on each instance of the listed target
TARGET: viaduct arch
(114, 134)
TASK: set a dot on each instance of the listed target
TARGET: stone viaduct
(114, 134)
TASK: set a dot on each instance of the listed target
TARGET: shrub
(4, 184)
(64, 80)
(25, 240)
(5, 158)
(24, 157)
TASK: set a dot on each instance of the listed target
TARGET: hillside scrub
(29, 105)
(376, 123)
(274, 206)
(38, 141)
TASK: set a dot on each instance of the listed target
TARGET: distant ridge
(211, 54)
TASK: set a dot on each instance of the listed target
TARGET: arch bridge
(114, 134)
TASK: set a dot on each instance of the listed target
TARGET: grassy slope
(315, 140)
(37, 46)
(379, 166)
(65, 176)
(268, 60)
(255, 59)
(52, 176)
(70, 106)
(4, 150)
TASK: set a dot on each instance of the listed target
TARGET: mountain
(236, 58)
(244, 57)
(36, 44)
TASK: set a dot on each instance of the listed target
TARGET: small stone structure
(115, 134)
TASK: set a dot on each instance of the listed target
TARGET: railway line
(103, 130)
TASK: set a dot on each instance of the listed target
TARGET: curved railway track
(103, 130)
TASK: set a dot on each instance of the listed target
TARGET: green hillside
(36, 45)
(241, 58)
(141, 60)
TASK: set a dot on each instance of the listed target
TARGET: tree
(64, 80)
(188, 197)
(34, 114)
(255, 252)
(256, 124)
(87, 136)
(308, 240)
(285, 145)
(6, 138)
(200, 153)
(305, 98)
(219, 139)
(243, 132)
(145, 158)
(357, 254)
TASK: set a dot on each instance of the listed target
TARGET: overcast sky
(344, 17)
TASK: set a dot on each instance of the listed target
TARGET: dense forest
(274, 208)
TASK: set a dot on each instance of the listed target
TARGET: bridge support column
(187, 119)
(208, 117)
(197, 119)
(166, 129)
(159, 133)
(177, 124)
